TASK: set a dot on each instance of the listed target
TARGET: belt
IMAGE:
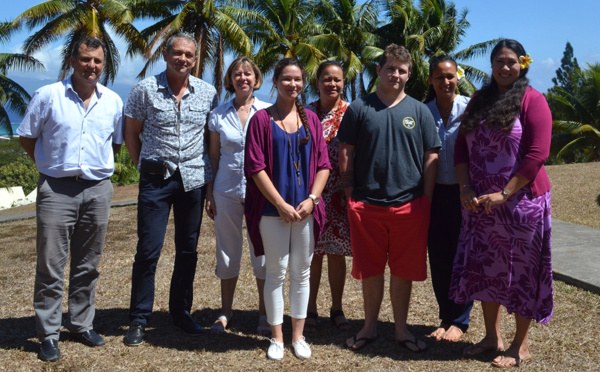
(79, 178)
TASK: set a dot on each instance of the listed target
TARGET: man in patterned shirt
(169, 110)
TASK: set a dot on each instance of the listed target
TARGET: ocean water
(14, 126)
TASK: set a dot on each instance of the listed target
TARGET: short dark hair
(237, 62)
(181, 35)
(89, 41)
(396, 52)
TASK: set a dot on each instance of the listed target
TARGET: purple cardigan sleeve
(255, 156)
(537, 131)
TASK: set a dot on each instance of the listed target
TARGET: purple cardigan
(537, 132)
(259, 156)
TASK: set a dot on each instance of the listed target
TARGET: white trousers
(230, 239)
(283, 243)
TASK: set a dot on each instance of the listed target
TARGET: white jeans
(230, 240)
(283, 242)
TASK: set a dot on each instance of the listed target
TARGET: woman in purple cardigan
(503, 256)
(286, 167)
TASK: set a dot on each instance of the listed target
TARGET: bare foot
(439, 332)
(483, 346)
(453, 334)
(512, 357)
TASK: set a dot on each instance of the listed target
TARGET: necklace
(296, 164)
(244, 107)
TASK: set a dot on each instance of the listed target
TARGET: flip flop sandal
(364, 340)
(407, 342)
(518, 362)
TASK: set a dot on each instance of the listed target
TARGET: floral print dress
(504, 257)
(336, 232)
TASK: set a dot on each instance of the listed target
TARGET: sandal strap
(336, 314)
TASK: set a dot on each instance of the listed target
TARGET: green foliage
(12, 95)
(428, 28)
(11, 151)
(125, 170)
(20, 173)
(73, 20)
(576, 128)
(214, 24)
(566, 74)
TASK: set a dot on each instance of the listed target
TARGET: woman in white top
(447, 108)
(225, 195)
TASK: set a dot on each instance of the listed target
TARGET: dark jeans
(155, 199)
(444, 230)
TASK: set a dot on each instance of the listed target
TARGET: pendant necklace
(296, 164)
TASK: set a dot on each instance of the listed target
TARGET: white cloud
(548, 62)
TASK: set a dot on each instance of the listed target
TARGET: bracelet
(465, 186)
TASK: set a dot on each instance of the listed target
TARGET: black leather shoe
(49, 351)
(89, 338)
(187, 325)
(135, 335)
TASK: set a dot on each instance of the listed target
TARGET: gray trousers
(71, 216)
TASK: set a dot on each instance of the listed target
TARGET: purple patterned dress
(504, 257)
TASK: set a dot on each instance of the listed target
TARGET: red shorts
(396, 235)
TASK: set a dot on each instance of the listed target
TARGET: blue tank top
(284, 176)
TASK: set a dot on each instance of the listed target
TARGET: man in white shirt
(71, 129)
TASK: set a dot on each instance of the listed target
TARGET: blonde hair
(228, 84)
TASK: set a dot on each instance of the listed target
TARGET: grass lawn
(567, 343)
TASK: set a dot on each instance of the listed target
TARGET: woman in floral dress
(335, 241)
(503, 256)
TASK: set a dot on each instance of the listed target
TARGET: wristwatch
(314, 199)
(505, 193)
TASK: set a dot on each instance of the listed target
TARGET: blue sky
(542, 26)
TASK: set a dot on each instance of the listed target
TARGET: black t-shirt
(390, 144)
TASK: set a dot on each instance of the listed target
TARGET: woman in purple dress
(503, 256)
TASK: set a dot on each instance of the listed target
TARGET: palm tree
(284, 29)
(214, 25)
(577, 139)
(74, 19)
(429, 29)
(349, 37)
(12, 96)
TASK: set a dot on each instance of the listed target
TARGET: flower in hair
(525, 61)
(460, 73)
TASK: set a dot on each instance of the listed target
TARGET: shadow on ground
(19, 333)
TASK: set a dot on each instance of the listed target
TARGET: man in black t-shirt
(388, 160)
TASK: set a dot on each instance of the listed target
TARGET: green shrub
(20, 173)
(125, 171)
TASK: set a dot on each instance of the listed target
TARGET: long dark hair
(283, 63)
(433, 63)
(498, 110)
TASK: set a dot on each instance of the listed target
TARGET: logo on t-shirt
(408, 122)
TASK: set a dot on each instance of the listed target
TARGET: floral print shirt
(174, 134)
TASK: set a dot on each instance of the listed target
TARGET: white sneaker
(275, 351)
(301, 348)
